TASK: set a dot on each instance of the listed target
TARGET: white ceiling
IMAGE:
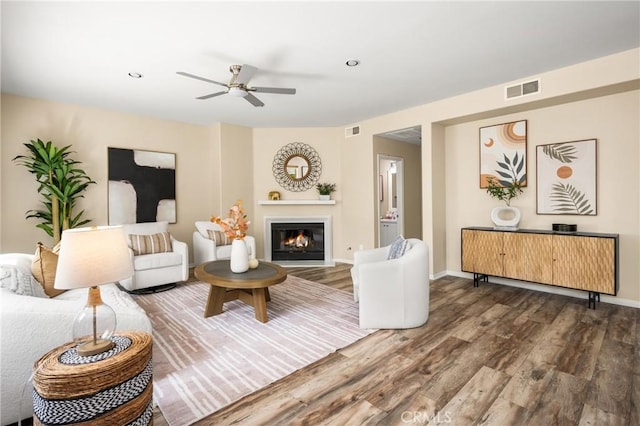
(411, 53)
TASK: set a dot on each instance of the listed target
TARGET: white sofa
(33, 325)
(156, 269)
(392, 294)
(206, 250)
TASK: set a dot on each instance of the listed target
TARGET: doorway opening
(391, 198)
(399, 184)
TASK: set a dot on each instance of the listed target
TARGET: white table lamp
(90, 257)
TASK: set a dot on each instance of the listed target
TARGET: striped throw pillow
(150, 244)
(219, 237)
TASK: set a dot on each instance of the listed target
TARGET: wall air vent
(352, 131)
(522, 89)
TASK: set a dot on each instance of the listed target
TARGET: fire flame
(299, 241)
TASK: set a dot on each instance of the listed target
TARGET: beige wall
(437, 195)
(266, 143)
(594, 99)
(612, 120)
(567, 87)
(236, 169)
(90, 131)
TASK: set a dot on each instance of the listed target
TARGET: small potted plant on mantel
(505, 218)
(325, 190)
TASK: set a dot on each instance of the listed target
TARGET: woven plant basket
(111, 388)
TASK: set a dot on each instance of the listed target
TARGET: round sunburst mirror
(297, 167)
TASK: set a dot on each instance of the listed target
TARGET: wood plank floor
(493, 355)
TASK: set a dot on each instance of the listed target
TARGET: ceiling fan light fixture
(237, 92)
(238, 87)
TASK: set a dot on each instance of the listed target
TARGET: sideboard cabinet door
(584, 263)
(528, 257)
(482, 252)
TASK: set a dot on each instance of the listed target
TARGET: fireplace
(298, 240)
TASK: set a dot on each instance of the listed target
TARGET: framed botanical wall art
(567, 178)
(503, 153)
(142, 186)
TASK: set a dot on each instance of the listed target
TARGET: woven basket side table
(111, 388)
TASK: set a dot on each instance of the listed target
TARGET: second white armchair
(206, 249)
(392, 293)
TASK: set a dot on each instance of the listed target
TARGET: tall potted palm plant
(61, 184)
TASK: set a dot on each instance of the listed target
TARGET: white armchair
(206, 249)
(392, 294)
(157, 268)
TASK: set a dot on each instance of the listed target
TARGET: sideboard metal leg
(479, 277)
(593, 298)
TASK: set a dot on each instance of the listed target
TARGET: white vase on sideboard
(506, 218)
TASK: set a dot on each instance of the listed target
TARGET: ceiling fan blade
(253, 100)
(281, 91)
(186, 74)
(245, 74)
(213, 95)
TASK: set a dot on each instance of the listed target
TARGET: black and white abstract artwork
(142, 186)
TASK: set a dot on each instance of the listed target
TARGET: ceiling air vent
(352, 131)
(522, 89)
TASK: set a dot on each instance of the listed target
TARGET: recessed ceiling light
(135, 75)
(352, 62)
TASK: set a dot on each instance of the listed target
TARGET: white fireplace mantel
(294, 202)
(328, 238)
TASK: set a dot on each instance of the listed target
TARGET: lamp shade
(92, 256)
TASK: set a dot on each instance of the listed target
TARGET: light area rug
(200, 365)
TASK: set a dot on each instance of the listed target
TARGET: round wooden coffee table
(252, 287)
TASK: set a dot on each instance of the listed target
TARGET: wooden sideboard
(579, 261)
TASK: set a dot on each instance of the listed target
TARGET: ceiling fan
(238, 85)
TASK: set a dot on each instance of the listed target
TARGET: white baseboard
(438, 275)
(551, 289)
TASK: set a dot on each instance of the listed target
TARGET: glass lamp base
(93, 348)
(94, 326)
